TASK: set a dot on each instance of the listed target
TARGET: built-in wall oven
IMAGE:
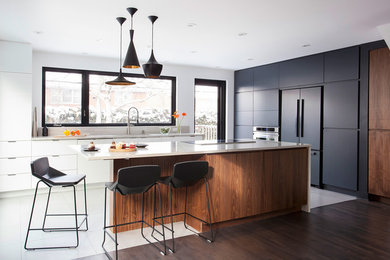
(266, 133)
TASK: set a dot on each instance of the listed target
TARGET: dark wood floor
(350, 230)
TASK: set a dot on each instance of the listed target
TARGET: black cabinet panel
(311, 117)
(342, 64)
(266, 100)
(266, 118)
(340, 158)
(243, 132)
(244, 118)
(243, 80)
(315, 167)
(290, 115)
(244, 101)
(302, 71)
(266, 77)
(341, 104)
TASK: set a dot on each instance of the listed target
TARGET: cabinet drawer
(16, 165)
(53, 147)
(15, 182)
(62, 162)
(15, 149)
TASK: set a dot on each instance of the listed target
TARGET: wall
(185, 76)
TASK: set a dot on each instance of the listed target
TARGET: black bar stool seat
(51, 177)
(134, 180)
(186, 174)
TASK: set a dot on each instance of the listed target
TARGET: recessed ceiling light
(250, 58)
(191, 24)
(194, 51)
(306, 45)
(242, 34)
(38, 32)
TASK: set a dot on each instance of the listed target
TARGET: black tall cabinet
(301, 122)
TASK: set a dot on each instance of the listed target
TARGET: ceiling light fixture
(306, 45)
(120, 80)
(152, 69)
(191, 24)
(131, 60)
(242, 34)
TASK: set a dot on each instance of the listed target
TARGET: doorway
(210, 107)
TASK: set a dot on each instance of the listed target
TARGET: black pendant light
(120, 80)
(131, 60)
(152, 69)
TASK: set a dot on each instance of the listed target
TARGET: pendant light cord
(120, 52)
(152, 35)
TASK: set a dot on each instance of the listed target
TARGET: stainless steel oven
(266, 133)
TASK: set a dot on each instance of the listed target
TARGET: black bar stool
(134, 180)
(186, 174)
(51, 177)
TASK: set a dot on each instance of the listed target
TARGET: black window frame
(85, 96)
(221, 85)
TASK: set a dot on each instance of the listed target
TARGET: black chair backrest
(188, 173)
(137, 179)
(40, 167)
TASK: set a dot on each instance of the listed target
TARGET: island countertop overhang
(160, 149)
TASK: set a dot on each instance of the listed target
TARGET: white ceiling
(276, 29)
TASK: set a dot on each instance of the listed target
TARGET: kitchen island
(247, 180)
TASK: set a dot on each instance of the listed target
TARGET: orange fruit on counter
(77, 132)
(66, 132)
(72, 133)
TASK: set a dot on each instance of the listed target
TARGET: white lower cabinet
(11, 182)
(15, 171)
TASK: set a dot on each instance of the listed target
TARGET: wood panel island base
(246, 181)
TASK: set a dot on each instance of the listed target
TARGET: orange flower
(175, 112)
(175, 116)
(184, 114)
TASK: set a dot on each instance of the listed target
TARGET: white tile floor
(15, 213)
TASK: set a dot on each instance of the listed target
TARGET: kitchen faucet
(128, 119)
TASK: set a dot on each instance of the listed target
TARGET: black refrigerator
(301, 123)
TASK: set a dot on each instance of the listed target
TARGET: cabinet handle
(55, 155)
(297, 126)
(302, 116)
(11, 158)
(12, 174)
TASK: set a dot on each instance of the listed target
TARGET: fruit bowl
(165, 130)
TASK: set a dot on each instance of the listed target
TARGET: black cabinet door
(342, 64)
(266, 100)
(341, 104)
(266, 77)
(243, 80)
(290, 115)
(315, 167)
(302, 71)
(310, 131)
(266, 118)
(340, 158)
(243, 132)
(244, 101)
(243, 118)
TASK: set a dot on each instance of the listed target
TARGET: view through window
(63, 97)
(109, 104)
(79, 97)
(206, 111)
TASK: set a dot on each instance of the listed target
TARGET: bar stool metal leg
(75, 215)
(31, 215)
(47, 206)
(85, 205)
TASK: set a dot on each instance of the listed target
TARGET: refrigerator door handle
(302, 116)
(297, 125)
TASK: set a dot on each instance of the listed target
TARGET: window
(68, 92)
(210, 108)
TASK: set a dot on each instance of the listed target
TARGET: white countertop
(156, 149)
(106, 136)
